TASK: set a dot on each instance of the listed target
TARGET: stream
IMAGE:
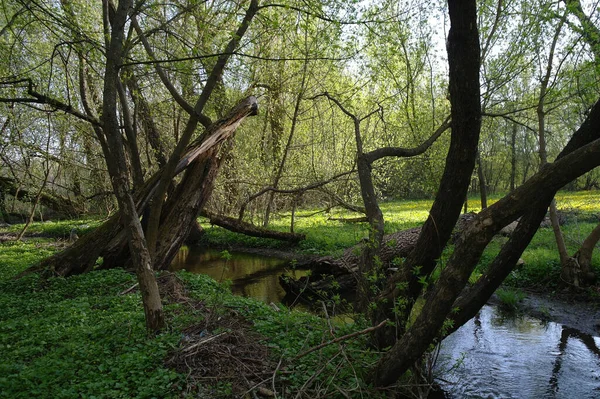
(492, 356)
(507, 356)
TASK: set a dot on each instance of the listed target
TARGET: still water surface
(492, 356)
(255, 276)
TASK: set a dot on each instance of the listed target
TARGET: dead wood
(237, 226)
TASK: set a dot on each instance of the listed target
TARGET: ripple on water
(493, 356)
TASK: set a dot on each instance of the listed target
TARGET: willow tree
(448, 300)
(105, 93)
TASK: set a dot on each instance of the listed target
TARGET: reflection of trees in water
(477, 331)
(567, 333)
(251, 275)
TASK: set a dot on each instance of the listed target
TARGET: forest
(131, 128)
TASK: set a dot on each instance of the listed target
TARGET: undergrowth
(80, 337)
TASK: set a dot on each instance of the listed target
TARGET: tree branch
(40, 98)
(408, 152)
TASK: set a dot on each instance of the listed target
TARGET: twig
(189, 348)
(339, 339)
(274, 375)
(128, 290)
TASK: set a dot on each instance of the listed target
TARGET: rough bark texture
(530, 200)
(117, 168)
(233, 224)
(109, 241)
(580, 264)
(463, 59)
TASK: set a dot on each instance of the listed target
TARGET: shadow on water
(492, 356)
(496, 356)
(251, 275)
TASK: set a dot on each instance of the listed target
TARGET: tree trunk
(114, 155)
(560, 241)
(482, 183)
(513, 156)
(109, 241)
(580, 265)
(531, 200)
(233, 224)
(287, 149)
(463, 58)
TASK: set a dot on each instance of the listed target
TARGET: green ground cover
(327, 237)
(80, 338)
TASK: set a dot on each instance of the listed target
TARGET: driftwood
(233, 224)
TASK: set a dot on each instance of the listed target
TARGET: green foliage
(16, 256)
(290, 332)
(324, 236)
(60, 229)
(77, 337)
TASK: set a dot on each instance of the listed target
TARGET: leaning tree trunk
(579, 267)
(464, 61)
(109, 240)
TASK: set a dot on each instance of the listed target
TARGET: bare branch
(40, 98)
(340, 339)
(408, 152)
(203, 119)
(290, 191)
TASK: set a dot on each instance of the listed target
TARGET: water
(491, 356)
(255, 276)
(506, 357)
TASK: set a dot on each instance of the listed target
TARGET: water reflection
(507, 357)
(255, 276)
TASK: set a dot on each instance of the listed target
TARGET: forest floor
(84, 336)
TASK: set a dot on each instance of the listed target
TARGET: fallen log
(337, 276)
(233, 224)
(350, 220)
(61, 206)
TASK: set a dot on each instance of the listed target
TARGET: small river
(499, 356)
(491, 356)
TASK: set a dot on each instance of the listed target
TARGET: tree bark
(233, 224)
(579, 269)
(464, 60)
(482, 183)
(109, 241)
(117, 167)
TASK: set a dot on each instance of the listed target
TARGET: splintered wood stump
(200, 165)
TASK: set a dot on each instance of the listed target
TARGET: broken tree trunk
(63, 207)
(109, 241)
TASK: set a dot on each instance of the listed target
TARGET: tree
(448, 301)
(122, 239)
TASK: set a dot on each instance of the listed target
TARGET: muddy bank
(568, 310)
